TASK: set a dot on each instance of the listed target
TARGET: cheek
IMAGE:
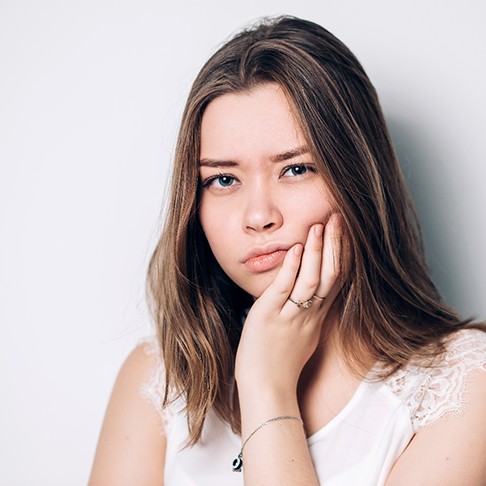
(219, 229)
(207, 217)
(307, 209)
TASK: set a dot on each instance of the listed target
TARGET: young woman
(300, 339)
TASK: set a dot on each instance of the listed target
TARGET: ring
(302, 304)
(318, 298)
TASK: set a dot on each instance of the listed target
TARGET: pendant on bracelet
(238, 463)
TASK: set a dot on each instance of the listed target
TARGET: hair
(389, 309)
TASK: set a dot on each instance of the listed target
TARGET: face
(260, 189)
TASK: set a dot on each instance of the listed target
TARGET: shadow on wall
(421, 164)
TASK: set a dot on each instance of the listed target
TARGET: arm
(277, 340)
(450, 451)
(131, 448)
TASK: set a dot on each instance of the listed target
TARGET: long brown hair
(389, 308)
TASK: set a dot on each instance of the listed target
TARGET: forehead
(248, 124)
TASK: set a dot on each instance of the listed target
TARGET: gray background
(91, 94)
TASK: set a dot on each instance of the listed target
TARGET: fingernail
(298, 250)
(318, 228)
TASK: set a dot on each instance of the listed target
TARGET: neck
(328, 359)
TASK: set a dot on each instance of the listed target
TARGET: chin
(258, 286)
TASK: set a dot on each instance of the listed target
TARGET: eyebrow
(290, 154)
(287, 155)
(217, 163)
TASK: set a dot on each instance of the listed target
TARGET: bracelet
(238, 462)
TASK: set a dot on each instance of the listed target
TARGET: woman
(288, 207)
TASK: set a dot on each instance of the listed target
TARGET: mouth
(265, 261)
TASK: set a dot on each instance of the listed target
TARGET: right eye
(219, 181)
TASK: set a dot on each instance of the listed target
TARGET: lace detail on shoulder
(153, 387)
(430, 393)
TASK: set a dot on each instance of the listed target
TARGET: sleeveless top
(358, 446)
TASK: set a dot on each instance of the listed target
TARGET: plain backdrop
(91, 94)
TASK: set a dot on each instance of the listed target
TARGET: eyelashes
(298, 169)
(223, 181)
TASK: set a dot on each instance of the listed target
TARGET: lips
(266, 258)
(265, 262)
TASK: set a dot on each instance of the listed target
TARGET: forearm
(277, 454)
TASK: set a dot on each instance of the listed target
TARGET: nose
(262, 212)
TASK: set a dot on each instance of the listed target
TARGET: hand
(278, 337)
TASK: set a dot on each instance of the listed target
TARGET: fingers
(331, 260)
(310, 268)
(278, 292)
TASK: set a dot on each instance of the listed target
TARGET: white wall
(90, 97)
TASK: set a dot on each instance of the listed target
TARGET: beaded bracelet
(238, 462)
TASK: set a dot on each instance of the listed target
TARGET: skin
(288, 362)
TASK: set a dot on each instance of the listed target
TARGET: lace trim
(432, 393)
(152, 388)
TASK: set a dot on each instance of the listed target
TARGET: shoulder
(434, 391)
(132, 426)
(449, 445)
(466, 347)
(459, 375)
(142, 362)
(142, 375)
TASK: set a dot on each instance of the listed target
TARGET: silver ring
(302, 304)
(318, 298)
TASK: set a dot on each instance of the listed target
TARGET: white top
(358, 446)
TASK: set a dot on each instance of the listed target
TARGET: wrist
(267, 396)
(259, 387)
(258, 406)
(238, 462)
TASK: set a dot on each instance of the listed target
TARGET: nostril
(262, 216)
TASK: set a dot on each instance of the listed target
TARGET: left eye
(295, 170)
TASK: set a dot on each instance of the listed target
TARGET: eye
(297, 170)
(224, 180)
(219, 181)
